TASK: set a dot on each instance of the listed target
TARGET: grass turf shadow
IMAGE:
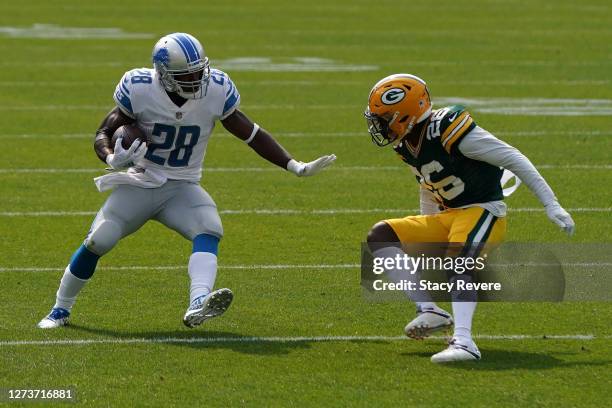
(207, 340)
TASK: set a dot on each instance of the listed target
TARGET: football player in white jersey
(176, 104)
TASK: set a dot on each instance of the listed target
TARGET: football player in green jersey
(458, 166)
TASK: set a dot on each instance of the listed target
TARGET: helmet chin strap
(398, 137)
(414, 122)
(200, 93)
(410, 126)
(186, 95)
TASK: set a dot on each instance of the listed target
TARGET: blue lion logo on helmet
(161, 56)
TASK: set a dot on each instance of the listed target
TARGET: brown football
(129, 133)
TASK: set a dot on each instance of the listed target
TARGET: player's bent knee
(205, 229)
(205, 222)
(216, 228)
(382, 232)
(103, 237)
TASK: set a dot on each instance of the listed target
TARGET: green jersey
(454, 179)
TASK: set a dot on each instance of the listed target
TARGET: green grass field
(300, 334)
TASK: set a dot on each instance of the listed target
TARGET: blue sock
(83, 263)
(206, 243)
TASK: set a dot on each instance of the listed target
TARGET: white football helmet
(182, 65)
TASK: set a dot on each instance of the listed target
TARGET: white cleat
(428, 321)
(57, 318)
(458, 350)
(206, 307)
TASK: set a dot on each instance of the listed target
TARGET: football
(129, 133)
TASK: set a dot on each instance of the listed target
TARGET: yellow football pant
(456, 225)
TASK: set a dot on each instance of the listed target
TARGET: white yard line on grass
(101, 108)
(576, 166)
(58, 32)
(269, 169)
(299, 82)
(272, 169)
(279, 211)
(260, 340)
(360, 134)
(272, 267)
(428, 63)
(180, 267)
(50, 171)
(489, 105)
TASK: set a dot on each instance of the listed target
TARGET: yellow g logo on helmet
(396, 103)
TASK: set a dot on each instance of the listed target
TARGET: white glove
(122, 159)
(559, 216)
(301, 169)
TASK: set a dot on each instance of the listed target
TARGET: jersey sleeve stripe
(123, 101)
(231, 87)
(449, 131)
(231, 101)
(459, 134)
(456, 128)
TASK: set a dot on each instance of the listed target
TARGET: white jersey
(178, 136)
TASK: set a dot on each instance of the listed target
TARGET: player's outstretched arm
(481, 145)
(267, 147)
(113, 121)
